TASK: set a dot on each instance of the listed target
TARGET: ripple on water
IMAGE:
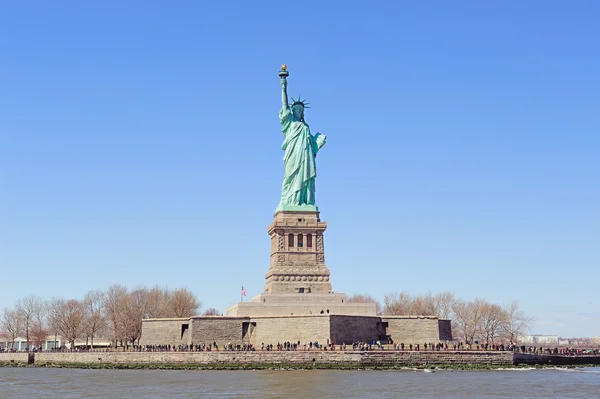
(151, 384)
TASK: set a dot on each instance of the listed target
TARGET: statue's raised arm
(283, 74)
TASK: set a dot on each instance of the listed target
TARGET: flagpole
(242, 294)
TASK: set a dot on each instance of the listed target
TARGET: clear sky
(140, 144)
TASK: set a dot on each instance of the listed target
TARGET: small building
(19, 344)
(539, 340)
(51, 342)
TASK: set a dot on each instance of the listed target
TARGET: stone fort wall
(167, 331)
(309, 358)
(14, 357)
(305, 328)
(272, 330)
(417, 329)
(206, 330)
(348, 329)
(324, 358)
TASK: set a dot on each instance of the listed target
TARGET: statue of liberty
(301, 147)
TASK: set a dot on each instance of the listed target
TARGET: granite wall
(316, 358)
(165, 331)
(220, 329)
(272, 330)
(348, 329)
(445, 329)
(558, 360)
(306, 328)
(415, 329)
(15, 357)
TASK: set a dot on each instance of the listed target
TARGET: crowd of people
(559, 351)
(329, 346)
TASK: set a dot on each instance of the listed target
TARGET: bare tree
(95, 318)
(125, 309)
(157, 303)
(11, 324)
(115, 307)
(137, 305)
(492, 319)
(52, 322)
(69, 317)
(424, 305)
(515, 323)
(184, 303)
(29, 307)
(462, 321)
(443, 303)
(211, 312)
(468, 318)
(365, 298)
(38, 333)
(397, 304)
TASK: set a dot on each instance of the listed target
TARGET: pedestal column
(297, 269)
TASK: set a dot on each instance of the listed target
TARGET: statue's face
(298, 111)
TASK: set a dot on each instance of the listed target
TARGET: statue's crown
(298, 101)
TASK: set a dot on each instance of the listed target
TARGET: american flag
(243, 291)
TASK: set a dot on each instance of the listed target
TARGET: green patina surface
(301, 147)
(297, 208)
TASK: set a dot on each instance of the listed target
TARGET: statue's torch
(283, 74)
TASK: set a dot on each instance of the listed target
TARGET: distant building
(98, 343)
(20, 343)
(539, 340)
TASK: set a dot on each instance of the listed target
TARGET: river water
(151, 384)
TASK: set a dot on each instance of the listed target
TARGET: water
(152, 384)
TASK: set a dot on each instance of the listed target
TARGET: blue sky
(140, 144)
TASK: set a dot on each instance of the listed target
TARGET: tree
(157, 303)
(491, 322)
(125, 309)
(365, 298)
(95, 318)
(403, 304)
(30, 308)
(211, 312)
(468, 318)
(137, 305)
(146, 303)
(443, 303)
(184, 303)
(69, 318)
(115, 307)
(397, 304)
(424, 305)
(11, 324)
(52, 322)
(515, 323)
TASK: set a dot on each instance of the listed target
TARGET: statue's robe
(300, 148)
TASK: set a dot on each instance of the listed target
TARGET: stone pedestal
(297, 254)
(298, 278)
